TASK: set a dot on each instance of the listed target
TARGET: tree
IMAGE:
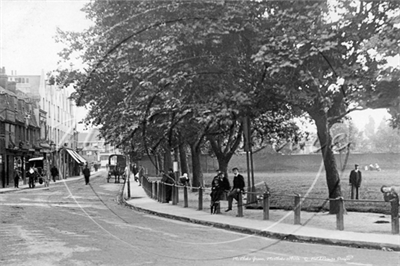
(370, 127)
(386, 139)
(207, 65)
(167, 58)
(322, 66)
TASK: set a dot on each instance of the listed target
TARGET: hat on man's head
(235, 168)
(356, 165)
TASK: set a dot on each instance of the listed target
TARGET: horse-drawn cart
(116, 167)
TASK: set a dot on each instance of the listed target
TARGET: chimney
(3, 78)
(12, 86)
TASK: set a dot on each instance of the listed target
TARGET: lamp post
(249, 158)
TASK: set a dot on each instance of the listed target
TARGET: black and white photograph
(199, 132)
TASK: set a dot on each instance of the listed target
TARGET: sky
(27, 30)
(27, 45)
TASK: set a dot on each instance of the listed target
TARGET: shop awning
(36, 159)
(80, 158)
(76, 156)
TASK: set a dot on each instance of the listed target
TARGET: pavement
(361, 232)
(42, 186)
(279, 226)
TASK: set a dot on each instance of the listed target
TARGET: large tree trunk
(223, 162)
(332, 174)
(225, 153)
(167, 158)
(197, 180)
(183, 158)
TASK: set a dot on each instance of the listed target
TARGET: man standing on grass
(355, 181)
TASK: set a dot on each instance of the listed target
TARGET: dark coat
(167, 178)
(355, 178)
(86, 172)
(238, 182)
(218, 186)
(54, 171)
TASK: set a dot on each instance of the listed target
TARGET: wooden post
(176, 192)
(339, 215)
(155, 190)
(173, 194)
(128, 179)
(266, 205)
(158, 191)
(162, 188)
(185, 197)
(200, 198)
(297, 209)
(218, 206)
(395, 215)
(240, 204)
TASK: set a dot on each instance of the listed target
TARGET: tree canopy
(189, 71)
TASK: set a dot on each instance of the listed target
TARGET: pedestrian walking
(31, 177)
(355, 182)
(141, 174)
(135, 172)
(237, 188)
(54, 172)
(86, 174)
(219, 185)
(16, 177)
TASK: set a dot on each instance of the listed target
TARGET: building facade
(19, 130)
(37, 120)
(94, 149)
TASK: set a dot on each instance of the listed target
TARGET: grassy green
(312, 186)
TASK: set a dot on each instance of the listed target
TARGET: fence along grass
(285, 186)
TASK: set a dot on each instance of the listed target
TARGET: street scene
(70, 223)
(204, 132)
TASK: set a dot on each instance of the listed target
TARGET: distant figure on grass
(86, 174)
(219, 185)
(238, 186)
(54, 172)
(355, 181)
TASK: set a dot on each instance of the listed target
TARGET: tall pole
(129, 177)
(249, 187)
(253, 189)
(247, 148)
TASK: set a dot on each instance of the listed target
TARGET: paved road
(74, 224)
